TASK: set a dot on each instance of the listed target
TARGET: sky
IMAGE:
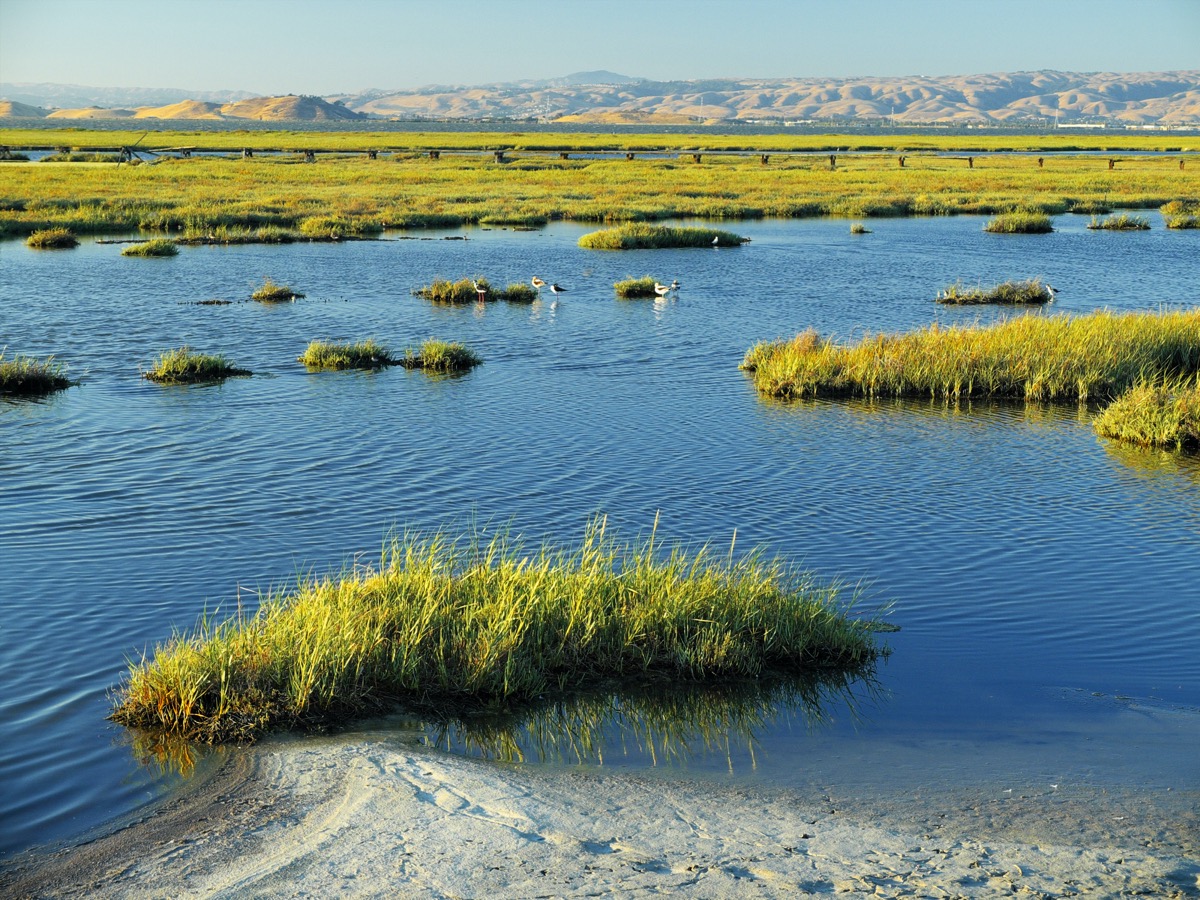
(328, 47)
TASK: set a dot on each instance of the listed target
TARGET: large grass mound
(444, 619)
(639, 236)
(1032, 357)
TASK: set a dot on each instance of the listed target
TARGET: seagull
(481, 291)
(661, 289)
(538, 283)
(555, 289)
(1053, 291)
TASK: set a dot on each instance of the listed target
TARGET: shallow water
(1044, 579)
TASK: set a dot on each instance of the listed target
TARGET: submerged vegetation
(639, 236)
(441, 356)
(1122, 222)
(362, 355)
(478, 623)
(52, 239)
(156, 247)
(1155, 414)
(1020, 223)
(1031, 357)
(1028, 292)
(270, 292)
(184, 366)
(25, 376)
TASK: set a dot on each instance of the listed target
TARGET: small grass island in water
(441, 356)
(184, 366)
(156, 247)
(52, 239)
(1019, 223)
(472, 623)
(361, 355)
(1017, 293)
(1155, 414)
(639, 236)
(474, 290)
(25, 376)
(270, 292)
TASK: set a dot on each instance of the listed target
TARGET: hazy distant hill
(75, 96)
(291, 107)
(13, 108)
(1166, 97)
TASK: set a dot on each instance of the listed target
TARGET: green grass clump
(271, 292)
(183, 366)
(1011, 292)
(1183, 221)
(1031, 357)
(441, 356)
(635, 288)
(1092, 207)
(640, 236)
(1122, 222)
(518, 292)
(1155, 414)
(452, 621)
(156, 247)
(336, 228)
(859, 228)
(1019, 223)
(24, 376)
(52, 239)
(1186, 207)
(461, 291)
(363, 355)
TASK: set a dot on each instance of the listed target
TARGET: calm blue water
(1045, 581)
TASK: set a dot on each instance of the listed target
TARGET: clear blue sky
(333, 46)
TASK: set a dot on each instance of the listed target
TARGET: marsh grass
(52, 239)
(640, 236)
(635, 288)
(337, 228)
(859, 228)
(1030, 357)
(270, 292)
(1183, 221)
(156, 247)
(1019, 223)
(461, 291)
(1093, 207)
(362, 355)
(184, 366)
(1121, 222)
(25, 376)
(1155, 414)
(1028, 292)
(237, 234)
(518, 292)
(478, 623)
(1185, 207)
(441, 356)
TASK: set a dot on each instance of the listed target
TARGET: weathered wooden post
(435, 154)
(1112, 164)
(695, 157)
(185, 153)
(764, 159)
(372, 154)
(902, 162)
(310, 156)
(970, 162)
(564, 155)
(499, 154)
(247, 153)
(1181, 165)
(1041, 162)
(629, 156)
(832, 161)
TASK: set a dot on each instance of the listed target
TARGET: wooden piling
(763, 159)
(435, 154)
(499, 155)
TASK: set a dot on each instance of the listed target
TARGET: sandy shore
(365, 816)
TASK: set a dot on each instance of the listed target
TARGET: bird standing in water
(480, 290)
(662, 289)
(556, 289)
(1053, 291)
(538, 283)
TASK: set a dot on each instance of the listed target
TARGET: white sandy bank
(369, 817)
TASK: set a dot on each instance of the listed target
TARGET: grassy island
(1030, 357)
(441, 356)
(639, 236)
(635, 288)
(156, 247)
(183, 366)
(1019, 223)
(271, 292)
(1155, 414)
(472, 290)
(52, 239)
(24, 376)
(362, 355)
(474, 624)
(1121, 222)
(1018, 293)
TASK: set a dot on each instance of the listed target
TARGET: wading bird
(662, 289)
(555, 289)
(675, 284)
(1053, 291)
(480, 290)
(538, 283)
(716, 240)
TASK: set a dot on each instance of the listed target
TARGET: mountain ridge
(1141, 98)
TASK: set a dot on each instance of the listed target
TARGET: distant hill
(77, 96)
(1147, 98)
(13, 108)
(291, 107)
(1142, 98)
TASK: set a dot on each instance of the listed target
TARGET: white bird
(661, 289)
(1053, 291)
(555, 289)
(716, 240)
(481, 291)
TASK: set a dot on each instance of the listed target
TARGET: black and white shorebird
(1052, 291)
(675, 284)
(556, 289)
(480, 290)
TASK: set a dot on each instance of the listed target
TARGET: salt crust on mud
(365, 816)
